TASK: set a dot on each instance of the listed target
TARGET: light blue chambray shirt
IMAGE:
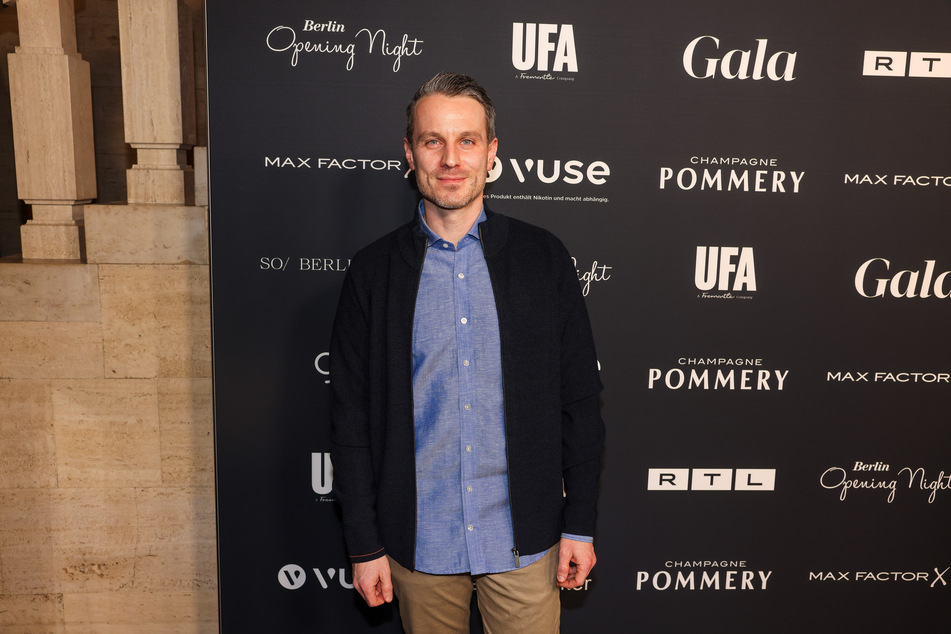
(463, 517)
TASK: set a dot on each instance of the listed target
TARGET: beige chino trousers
(525, 600)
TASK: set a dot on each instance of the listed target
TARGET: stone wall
(107, 511)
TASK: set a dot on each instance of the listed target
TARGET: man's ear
(409, 153)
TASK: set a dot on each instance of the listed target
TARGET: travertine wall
(107, 517)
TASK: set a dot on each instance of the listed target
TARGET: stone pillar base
(146, 234)
(161, 186)
(45, 241)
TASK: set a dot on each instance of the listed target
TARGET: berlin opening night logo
(881, 480)
(337, 41)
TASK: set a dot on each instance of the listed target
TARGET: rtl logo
(711, 479)
(717, 265)
(533, 46)
(904, 64)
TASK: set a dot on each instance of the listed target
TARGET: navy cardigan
(554, 431)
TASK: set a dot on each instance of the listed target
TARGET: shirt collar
(433, 238)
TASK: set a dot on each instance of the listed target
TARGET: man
(467, 432)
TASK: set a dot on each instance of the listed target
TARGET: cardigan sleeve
(582, 427)
(354, 478)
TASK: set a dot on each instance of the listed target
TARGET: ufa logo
(533, 45)
(321, 473)
(716, 265)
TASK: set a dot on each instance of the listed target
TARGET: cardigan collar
(412, 240)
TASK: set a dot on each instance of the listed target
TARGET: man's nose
(450, 156)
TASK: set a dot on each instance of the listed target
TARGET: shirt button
(464, 320)
(468, 447)
(445, 246)
(466, 363)
(467, 406)
(461, 276)
(470, 527)
(469, 488)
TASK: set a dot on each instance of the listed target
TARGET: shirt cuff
(578, 538)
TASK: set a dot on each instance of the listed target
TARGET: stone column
(158, 97)
(51, 104)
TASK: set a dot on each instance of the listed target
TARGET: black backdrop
(777, 433)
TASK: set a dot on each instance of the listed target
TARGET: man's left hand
(575, 561)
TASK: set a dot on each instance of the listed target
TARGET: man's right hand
(372, 580)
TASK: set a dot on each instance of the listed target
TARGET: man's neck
(452, 224)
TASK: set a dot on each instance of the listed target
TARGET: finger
(563, 569)
(387, 590)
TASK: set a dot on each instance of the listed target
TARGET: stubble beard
(456, 198)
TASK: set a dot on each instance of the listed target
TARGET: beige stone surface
(176, 546)
(161, 186)
(67, 540)
(146, 234)
(63, 241)
(31, 614)
(107, 433)
(152, 72)
(49, 292)
(187, 430)
(52, 126)
(48, 24)
(201, 175)
(27, 448)
(142, 612)
(156, 320)
(107, 516)
(50, 350)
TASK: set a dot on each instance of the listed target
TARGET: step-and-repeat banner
(756, 197)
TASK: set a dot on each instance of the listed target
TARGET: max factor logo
(534, 48)
(717, 265)
(898, 179)
(904, 283)
(711, 479)
(321, 473)
(905, 64)
(889, 377)
(735, 64)
(293, 577)
(860, 575)
(304, 162)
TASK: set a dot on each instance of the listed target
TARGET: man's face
(450, 151)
